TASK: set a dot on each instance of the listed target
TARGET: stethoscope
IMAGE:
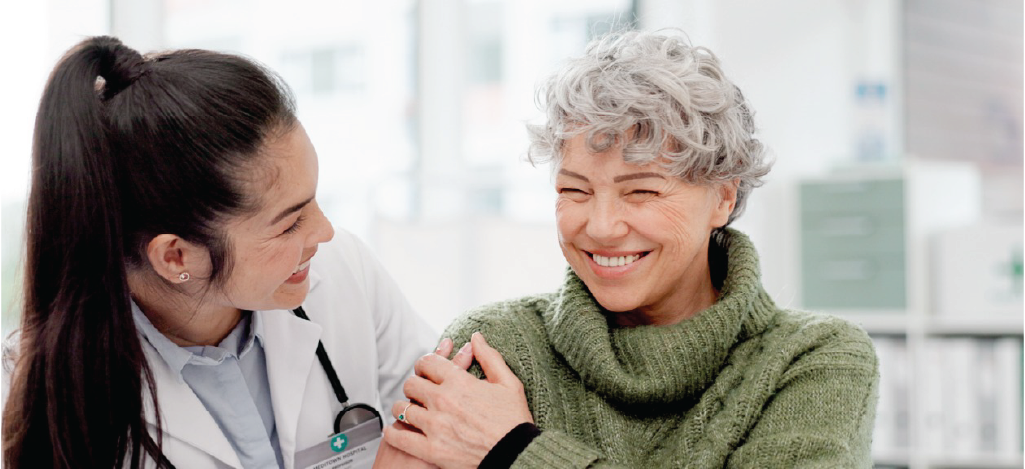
(351, 415)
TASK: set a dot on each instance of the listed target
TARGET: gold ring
(402, 415)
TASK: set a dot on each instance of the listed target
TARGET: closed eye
(295, 226)
(641, 195)
(573, 194)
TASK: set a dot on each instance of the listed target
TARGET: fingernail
(465, 349)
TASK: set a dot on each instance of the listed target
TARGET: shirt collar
(177, 357)
(255, 333)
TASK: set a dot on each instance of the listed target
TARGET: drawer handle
(848, 188)
(837, 227)
(848, 270)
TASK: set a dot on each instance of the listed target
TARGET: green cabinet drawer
(839, 282)
(871, 195)
(852, 233)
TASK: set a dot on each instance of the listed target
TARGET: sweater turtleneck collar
(661, 364)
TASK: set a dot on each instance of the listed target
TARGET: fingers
(389, 456)
(464, 358)
(417, 389)
(405, 412)
(413, 443)
(436, 368)
(445, 347)
(407, 427)
(491, 361)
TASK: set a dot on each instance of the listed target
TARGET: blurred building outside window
(417, 111)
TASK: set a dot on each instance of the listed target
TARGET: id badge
(354, 448)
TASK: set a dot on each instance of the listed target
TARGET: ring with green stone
(402, 416)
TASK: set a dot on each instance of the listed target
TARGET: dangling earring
(184, 276)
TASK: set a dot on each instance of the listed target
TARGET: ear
(170, 256)
(727, 201)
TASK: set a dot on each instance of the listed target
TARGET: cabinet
(852, 243)
(951, 381)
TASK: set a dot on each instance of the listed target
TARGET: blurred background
(896, 199)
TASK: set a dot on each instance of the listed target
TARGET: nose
(606, 222)
(324, 231)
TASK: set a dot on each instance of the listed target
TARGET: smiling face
(273, 247)
(270, 249)
(636, 235)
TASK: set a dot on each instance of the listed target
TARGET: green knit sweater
(742, 384)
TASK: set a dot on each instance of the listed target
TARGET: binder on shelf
(891, 433)
(962, 428)
(986, 398)
(884, 436)
(933, 413)
(1008, 386)
(972, 398)
(900, 393)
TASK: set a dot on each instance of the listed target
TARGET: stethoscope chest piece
(356, 414)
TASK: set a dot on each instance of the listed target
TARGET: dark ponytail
(125, 148)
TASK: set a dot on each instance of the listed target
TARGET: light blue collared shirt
(230, 379)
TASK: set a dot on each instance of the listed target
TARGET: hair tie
(126, 67)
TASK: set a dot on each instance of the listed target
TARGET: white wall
(448, 267)
(797, 62)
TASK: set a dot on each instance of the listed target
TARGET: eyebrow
(295, 208)
(573, 175)
(627, 177)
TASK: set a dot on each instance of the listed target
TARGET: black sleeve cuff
(510, 446)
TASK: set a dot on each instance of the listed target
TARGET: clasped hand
(452, 419)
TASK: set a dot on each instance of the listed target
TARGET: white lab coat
(368, 329)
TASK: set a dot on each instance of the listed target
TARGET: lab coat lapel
(291, 347)
(182, 414)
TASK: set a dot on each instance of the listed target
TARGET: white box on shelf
(978, 270)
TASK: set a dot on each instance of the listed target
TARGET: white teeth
(615, 261)
(302, 266)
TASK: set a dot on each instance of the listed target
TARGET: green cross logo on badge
(339, 442)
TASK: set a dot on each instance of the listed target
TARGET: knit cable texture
(742, 384)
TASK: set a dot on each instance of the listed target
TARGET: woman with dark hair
(175, 313)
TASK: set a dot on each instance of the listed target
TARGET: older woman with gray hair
(661, 348)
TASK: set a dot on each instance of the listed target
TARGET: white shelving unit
(916, 323)
(982, 461)
(918, 327)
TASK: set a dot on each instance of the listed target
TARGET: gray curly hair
(673, 96)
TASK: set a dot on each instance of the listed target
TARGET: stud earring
(184, 276)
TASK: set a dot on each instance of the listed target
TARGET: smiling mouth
(618, 261)
(302, 266)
